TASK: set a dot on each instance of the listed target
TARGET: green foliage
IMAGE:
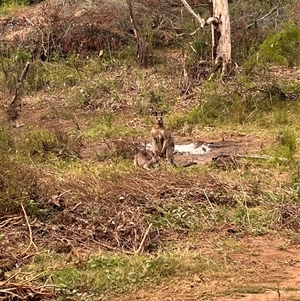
(59, 75)
(280, 48)
(188, 215)
(10, 2)
(8, 6)
(6, 142)
(104, 126)
(43, 145)
(286, 144)
(256, 219)
(109, 273)
(19, 180)
(216, 107)
(175, 120)
(11, 67)
(175, 216)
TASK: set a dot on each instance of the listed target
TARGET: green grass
(8, 7)
(114, 273)
(105, 126)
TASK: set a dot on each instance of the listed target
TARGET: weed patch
(105, 126)
(280, 48)
(113, 273)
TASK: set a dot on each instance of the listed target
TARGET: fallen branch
(9, 220)
(30, 232)
(263, 157)
(138, 251)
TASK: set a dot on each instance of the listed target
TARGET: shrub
(42, 145)
(280, 48)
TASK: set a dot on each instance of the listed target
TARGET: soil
(272, 268)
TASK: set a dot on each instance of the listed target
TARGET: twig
(78, 204)
(7, 221)
(210, 204)
(75, 121)
(30, 232)
(24, 72)
(7, 291)
(278, 292)
(143, 240)
(263, 17)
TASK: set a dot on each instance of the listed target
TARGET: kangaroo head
(159, 118)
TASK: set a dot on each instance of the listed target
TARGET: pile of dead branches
(14, 289)
(290, 216)
(112, 214)
(66, 27)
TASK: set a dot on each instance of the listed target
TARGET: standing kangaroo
(163, 143)
(162, 140)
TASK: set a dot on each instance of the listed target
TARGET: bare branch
(29, 229)
(263, 17)
(24, 72)
(190, 10)
(132, 19)
(139, 250)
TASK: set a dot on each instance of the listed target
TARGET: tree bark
(222, 39)
(220, 26)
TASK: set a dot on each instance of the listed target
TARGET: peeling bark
(222, 38)
(220, 27)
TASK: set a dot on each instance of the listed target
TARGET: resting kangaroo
(145, 159)
(163, 143)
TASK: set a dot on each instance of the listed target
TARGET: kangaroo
(163, 143)
(145, 159)
(162, 140)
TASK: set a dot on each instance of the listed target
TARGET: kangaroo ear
(152, 112)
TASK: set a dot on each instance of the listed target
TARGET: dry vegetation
(78, 222)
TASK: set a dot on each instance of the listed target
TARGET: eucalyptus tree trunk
(221, 33)
(220, 26)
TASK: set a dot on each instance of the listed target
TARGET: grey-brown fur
(145, 159)
(163, 143)
(162, 140)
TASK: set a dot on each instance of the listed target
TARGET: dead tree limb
(15, 106)
(142, 47)
(29, 229)
(190, 10)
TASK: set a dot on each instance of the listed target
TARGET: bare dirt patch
(261, 266)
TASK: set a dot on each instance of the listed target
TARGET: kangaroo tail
(187, 164)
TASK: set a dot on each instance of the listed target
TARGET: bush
(280, 48)
(18, 181)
